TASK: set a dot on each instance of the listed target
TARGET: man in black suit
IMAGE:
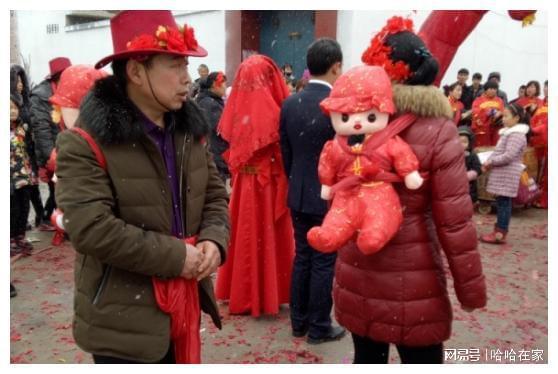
(304, 130)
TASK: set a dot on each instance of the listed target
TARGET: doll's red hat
(58, 65)
(360, 89)
(74, 84)
(146, 32)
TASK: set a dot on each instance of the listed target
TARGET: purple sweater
(163, 139)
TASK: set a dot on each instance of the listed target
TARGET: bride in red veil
(256, 276)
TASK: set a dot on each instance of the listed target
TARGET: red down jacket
(399, 295)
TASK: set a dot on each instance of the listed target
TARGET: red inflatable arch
(445, 30)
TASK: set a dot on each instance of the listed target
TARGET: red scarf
(179, 298)
(250, 119)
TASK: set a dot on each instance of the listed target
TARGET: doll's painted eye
(344, 117)
(372, 117)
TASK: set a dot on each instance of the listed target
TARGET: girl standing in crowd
(256, 277)
(20, 178)
(505, 165)
(454, 96)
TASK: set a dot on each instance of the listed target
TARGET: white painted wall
(87, 46)
(497, 44)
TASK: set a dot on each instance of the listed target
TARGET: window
(52, 28)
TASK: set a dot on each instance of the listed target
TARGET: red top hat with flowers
(360, 89)
(58, 65)
(146, 32)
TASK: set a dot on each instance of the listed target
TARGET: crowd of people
(143, 164)
(486, 122)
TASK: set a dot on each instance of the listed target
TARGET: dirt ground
(511, 329)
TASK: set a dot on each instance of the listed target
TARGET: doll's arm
(405, 162)
(327, 169)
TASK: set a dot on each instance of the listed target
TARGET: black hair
(491, 84)
(463, 71)
(17, 99)
(537, 86)
(522, 87)
(119, 68)
(322, 54)
(203, 66)
(477, 76)
(494, 74)
(15, 72)
(546, 82)
(409, 48)
(450, 88)
(207, 82)
(518, 111)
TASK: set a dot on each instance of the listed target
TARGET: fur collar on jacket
(109, 115)
(424, 101)
(519, 128)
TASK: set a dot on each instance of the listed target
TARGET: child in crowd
(506, 167)
(21, 177)
(472, 162)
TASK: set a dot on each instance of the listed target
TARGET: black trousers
(368, 351)
(311, 282)
(37, 202)
(168, 359)
(50, 204)
(19, 211)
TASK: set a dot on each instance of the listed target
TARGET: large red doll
(355, 168)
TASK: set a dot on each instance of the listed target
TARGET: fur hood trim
(519, 128)
(111, 117)
(423, 101)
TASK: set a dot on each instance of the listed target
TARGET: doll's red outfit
(370, 207)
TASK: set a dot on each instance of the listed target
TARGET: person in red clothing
(531, 101)
(454, 96)
(355, 168)
(74, 83)
(539, 140)
(487, 115)
(398, 295)
(256, 278)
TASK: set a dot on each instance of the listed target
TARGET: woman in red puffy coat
(399, 294)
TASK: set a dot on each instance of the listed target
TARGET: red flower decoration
(175, 41)
(220, 79)
(143, 42)
(378, 54)
(189, 38)
(166, 38)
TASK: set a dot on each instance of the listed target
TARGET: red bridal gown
(256, 276)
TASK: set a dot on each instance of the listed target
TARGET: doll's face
(359, 123)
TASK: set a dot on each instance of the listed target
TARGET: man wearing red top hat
(44, 129)
(143, 202)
